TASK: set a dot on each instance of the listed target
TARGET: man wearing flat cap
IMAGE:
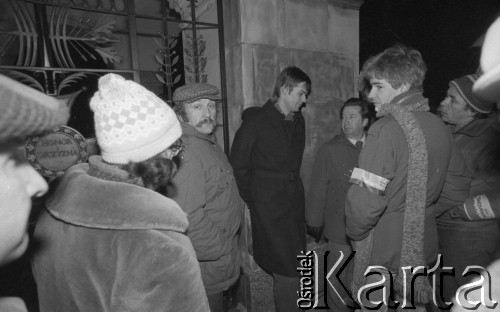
(476, 131)
(206, 190)
(25, 112)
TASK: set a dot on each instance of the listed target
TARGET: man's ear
(405, 87)
(283, 90)
(470, 112)
(364, 122)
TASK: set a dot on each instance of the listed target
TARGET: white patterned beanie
(131, 123)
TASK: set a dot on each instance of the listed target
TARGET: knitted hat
(26, 111)
(464, 87)
(195, 91)
(488, 85)
(131, 123)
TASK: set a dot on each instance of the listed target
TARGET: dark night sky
(442, 30)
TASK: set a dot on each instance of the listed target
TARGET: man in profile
(408, 163)
(25, 112)
(476, 132)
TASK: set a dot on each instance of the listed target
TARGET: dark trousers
(216, 302)
(285, 293)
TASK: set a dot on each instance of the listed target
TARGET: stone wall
(319, 36)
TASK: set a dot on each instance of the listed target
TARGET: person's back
(408, 161)
(109, 238)
(391, 142)
(114, 252)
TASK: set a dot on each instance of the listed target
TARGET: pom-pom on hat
(195, 91)
(464, 86)
(132, 124)
(26, 111)
(488, 85)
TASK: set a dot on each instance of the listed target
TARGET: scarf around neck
(412, 251)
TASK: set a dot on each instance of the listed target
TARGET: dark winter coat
(266, 157)
(479, 143)
(329, 185)
(205, 188)
(108, 245)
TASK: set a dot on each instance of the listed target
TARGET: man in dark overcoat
(266, 157)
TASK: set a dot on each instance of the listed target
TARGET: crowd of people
(153, 222)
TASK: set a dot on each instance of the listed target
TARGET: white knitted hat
(131, 123)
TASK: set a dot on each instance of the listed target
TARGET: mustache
(205, 121)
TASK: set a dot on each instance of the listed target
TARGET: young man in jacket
(205, 188)
(408, 161)
(325, 208)
(110, 239)
(266, 157)
(477, 134)
(19, 182)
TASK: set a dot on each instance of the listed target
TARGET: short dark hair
(366, 110)
(398, 65)
(289, 78)
(154, 172)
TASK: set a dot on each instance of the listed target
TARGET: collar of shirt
(363, 138)
(289, 117)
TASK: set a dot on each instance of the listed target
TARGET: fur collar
(84, 200)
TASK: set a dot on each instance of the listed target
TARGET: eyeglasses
(175, 149)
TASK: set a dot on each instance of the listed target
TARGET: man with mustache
(206, 190)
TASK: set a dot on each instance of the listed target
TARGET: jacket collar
(189, 130)
(275, 117)
(83, 200)
(478, 126)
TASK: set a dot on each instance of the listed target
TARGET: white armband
(372, 182)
